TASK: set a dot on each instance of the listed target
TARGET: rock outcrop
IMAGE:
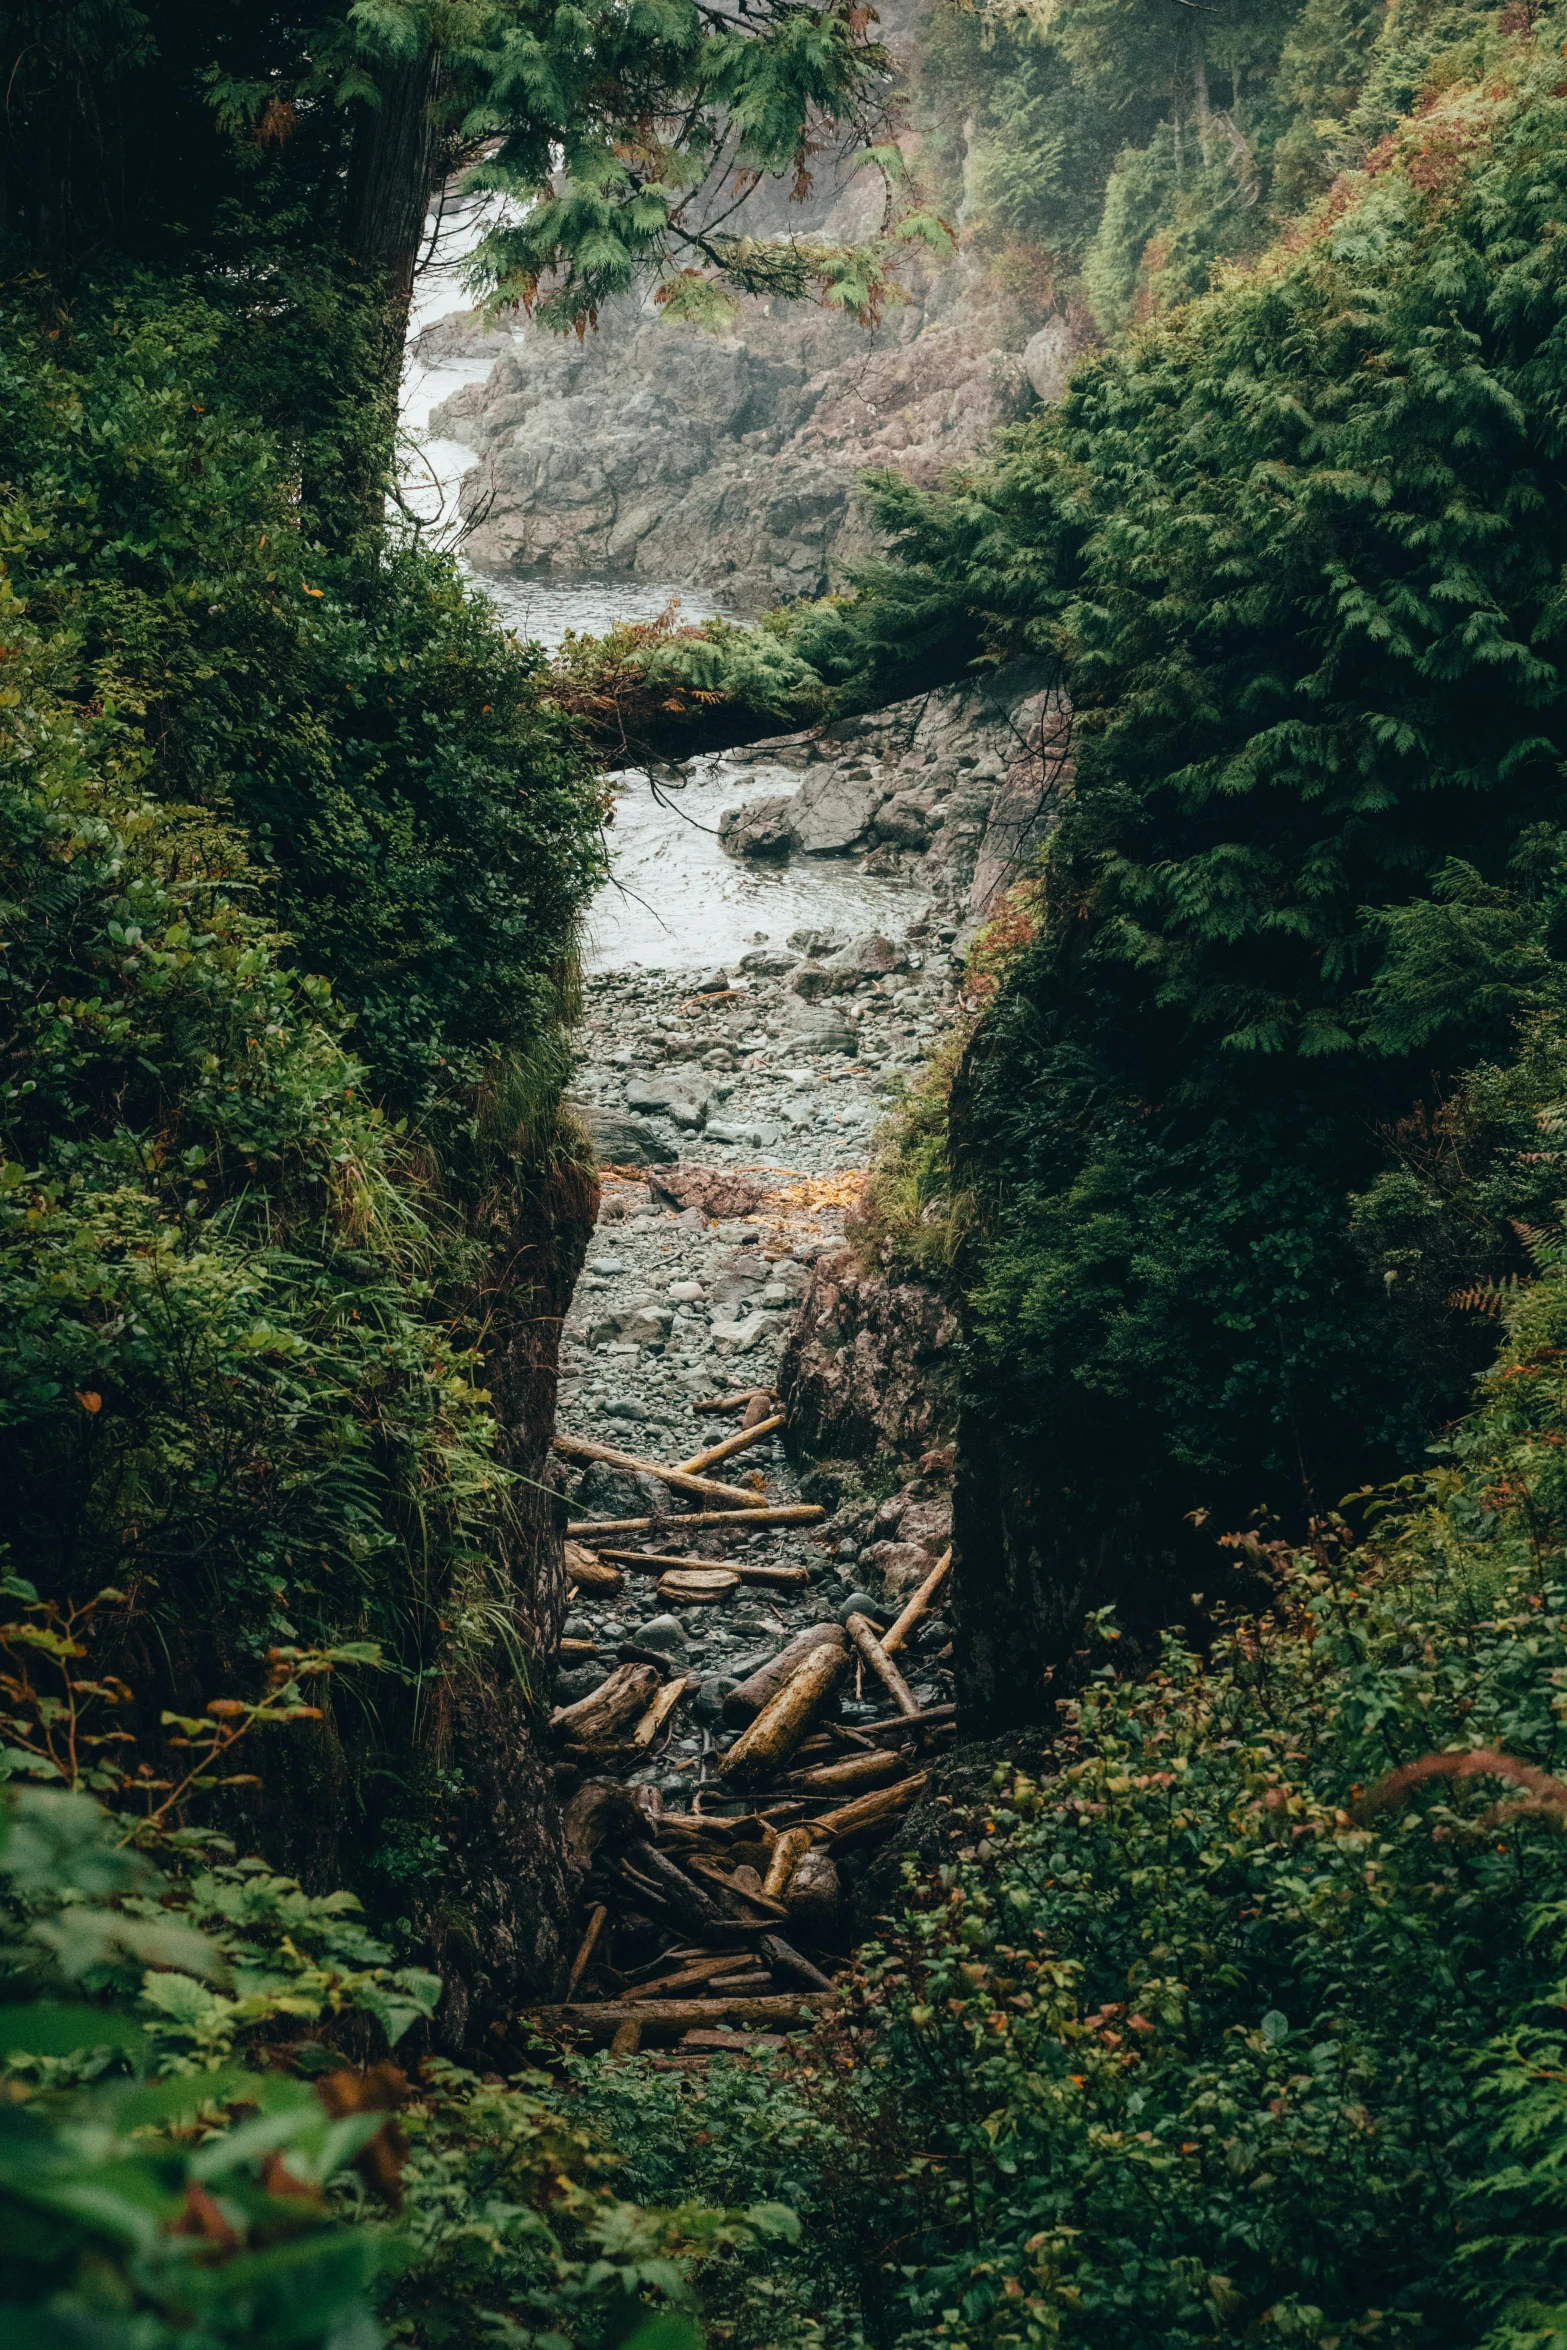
(954, 790)
(729, 462)
(868, 1374)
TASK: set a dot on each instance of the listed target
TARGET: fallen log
(786, 1719)
(863, 1633)
(919, 1605)
(697, 1970)
(930, 1718)
(741, 1441)
(782, 1862)
(651, 1562)
(841, 1827)
(596, 1718)
(711, 1874)
(798, 1513)
(661, 1708)
(585, 1949)
(747, 1700)
(602, 2018)
(785, 1960)
(849, 1777)
(578, 1648)
(627, 2039)
(590, 1573)
(602, 1812)
(583, 1448)
(736, 1402)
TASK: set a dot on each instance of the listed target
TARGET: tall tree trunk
(398, 160)
(1204, 111)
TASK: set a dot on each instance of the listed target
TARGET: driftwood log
(782, 1862)
(740, 1400)
(595, 1719)
(852, 1775)
(657, 1562)
(603, 2019)
(698, 1586)
(589, 1571)
(863, 1633)
(661, 1708)
(787, 1718)
(919, 1605)
(583, 1448)
(585, 1949)
(745, 1702)
(841, 1827)
(797, 1513)
(741, 1441)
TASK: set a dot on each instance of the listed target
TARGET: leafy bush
(203, 2141)
(648, 686)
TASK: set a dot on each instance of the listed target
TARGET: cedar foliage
(1297, 551)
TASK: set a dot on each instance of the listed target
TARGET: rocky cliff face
(730, 462)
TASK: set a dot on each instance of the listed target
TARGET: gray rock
(647, 1326)
(814, 980)
(860, 1603)
(580, 1682)
(708, 1705)
(619, 1141)
(1047, 358)
(619, 1493)
(816, 942)
(737, 1338)
(713, 983)
(663, 1632)
(832, 810)
(683, 1093)
(904, 822)
(873, 954)
(767, 962)
(762, 830)
(826, 1032)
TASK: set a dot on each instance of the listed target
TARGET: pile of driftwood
(729, 1913)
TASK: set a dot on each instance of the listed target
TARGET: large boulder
(832, 809)
(619, 1141)
(762, 830)
(684, 1093)
(1047, 359)
(904, 823)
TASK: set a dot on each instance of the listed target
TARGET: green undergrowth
(206, 2139)
(1235, 2012)
(665, 687)
(292, 852)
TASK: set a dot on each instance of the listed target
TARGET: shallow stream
(675, 900)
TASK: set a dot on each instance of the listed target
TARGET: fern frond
(1486, 1297)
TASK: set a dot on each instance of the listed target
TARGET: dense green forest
(1223, 2000)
